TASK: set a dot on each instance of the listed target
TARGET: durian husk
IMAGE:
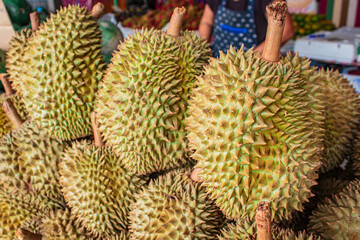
(143, 98)
(338, 217)
(29, 160)
(63, 65)
(14, 58)
(253, 127)
(62, 225)
(98, 188)
(174, 207)
(245, 229)
(356, 157)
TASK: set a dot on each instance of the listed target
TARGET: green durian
(29, 160)
(15, 65)
(174, 207)
(5, 123)
(252, 127)
(98, 188)
(339, 216)
(143, 98)
(246, 230)
(62, 225)
(64, 66)
(16, 209)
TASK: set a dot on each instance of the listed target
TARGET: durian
(143, 98)
(174, 207)
(29, 160)
(98, 188)
(339, 216)
(14, 61)
(356, 157)
(64, 66)
(62, 225)
(246, 230)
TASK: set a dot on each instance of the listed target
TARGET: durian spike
(6, 83)
(97, 135)
(195, 175)
(276, 14)
(263, 221)
(97, 10)
(176, 22)
(35, 21)
(11, 112)
(23, 234)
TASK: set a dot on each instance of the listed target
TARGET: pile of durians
(169, 143)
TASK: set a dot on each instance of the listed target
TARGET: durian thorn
(97, 135)
(195, 175)
(11, 112)
(276, 14)
(6, 83)
(97, 10)
(176, 21)
(263, 221)
(35, 21)
(23, 234)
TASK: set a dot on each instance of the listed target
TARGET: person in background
(237, 22)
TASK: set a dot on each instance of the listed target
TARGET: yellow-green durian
(14, 58)
(16, 209)
(62, 225)
(250, 126)
(356, 157)
(98, 188)
(143, 98)
(246, 230)
(5, 123)
(173, 207)
(64, 66)
(29, 159)
(339, 216)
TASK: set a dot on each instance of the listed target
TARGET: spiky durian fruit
(245, 229)
(29, 160)
(64, 67)
(174, 207)
(5, 123)
(143, 98)
(17, 208)
(125, 235)
(342, 118)
(14, 60)
(62, 225)
(356, 157)
(98, 188)
(339, 216)
(250, 125)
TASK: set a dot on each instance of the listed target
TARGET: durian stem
(195, 175)
(12, 113)
(23, 234)
(176, 22)
(263, 221)
(97, 10)
(276, 14)
(35, 21)
(6, 83)
(97, 135)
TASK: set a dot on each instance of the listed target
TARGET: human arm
(207, 23)
(287, 34)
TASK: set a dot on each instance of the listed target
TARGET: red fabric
(357, 22)
(322, 6)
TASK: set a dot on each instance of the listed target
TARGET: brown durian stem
(97, 135)
(6, 83)
(176, 22)
(97, 10)
(23, 234)
(12, 113)
(276, 14)
(195, 175)
(263, 221)
(35, 21)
